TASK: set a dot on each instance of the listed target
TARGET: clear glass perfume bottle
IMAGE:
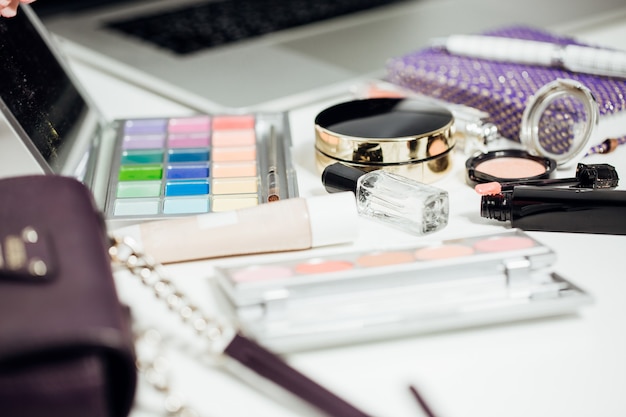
(390, 198)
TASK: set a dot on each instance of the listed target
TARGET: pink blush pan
(509, 167)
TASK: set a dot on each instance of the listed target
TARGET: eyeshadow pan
(186, 171)
(140, 172)
(228, 203)
(229, 122)
(136, 207)
(385, 258)
(189, 140)
(186, 205)
(503, 244)
(188, 155)
(234, 138)
(235, 186)
(261, 273)
(321, 266)
(443, 252)
(189, 124)
(234, 153)
(142, 156)
(182, 188)
(156, 141)
(139, 189)
(234, 169)
(144, 126)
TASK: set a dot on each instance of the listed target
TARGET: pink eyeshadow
(261, 273)
(509, 167)
(443, 252)
(189, 140)
(233, 122)
(385, 258)
(143, 141)
(323, 267)
(190, 124)
(503, 244)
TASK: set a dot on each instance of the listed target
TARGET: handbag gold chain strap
(223, 340)
(124, 252)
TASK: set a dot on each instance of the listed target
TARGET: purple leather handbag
(65, 341)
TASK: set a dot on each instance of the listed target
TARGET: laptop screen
(38, 97)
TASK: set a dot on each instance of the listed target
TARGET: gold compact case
(405, 136)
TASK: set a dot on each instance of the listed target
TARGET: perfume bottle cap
(333, 218)
(338, 177)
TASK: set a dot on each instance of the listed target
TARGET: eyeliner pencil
(273, 180)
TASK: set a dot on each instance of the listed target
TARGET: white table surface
(571, 366)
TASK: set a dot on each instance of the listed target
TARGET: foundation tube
(285, 225)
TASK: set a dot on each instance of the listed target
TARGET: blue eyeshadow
(188, 155)
(187, 171)
(182, 188)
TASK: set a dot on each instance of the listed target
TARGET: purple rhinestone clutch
(501, 89)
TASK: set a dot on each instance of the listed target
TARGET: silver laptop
(285, 68)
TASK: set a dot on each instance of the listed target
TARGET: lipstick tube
(559, 209)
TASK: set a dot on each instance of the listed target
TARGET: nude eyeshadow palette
(315, 301)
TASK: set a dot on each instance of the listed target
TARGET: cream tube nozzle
(285, 225)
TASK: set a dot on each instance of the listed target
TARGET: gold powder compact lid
(409, 137)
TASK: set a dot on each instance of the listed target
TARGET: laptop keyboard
(190, 29)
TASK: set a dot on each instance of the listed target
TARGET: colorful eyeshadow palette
(152, 168)
(356, 296)
(200, 164)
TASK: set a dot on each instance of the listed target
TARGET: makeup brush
(595, 176)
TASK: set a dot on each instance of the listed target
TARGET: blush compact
(555, 131)
(508, 165)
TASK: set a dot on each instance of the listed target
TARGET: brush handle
(272, 367)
